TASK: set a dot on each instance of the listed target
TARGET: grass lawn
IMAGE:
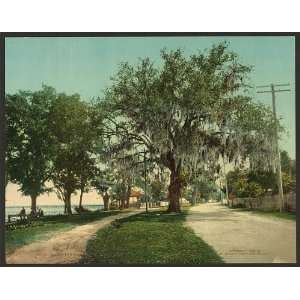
(277, 214)
(49, 225)
(154, 239)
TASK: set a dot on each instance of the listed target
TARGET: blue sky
(85, 65)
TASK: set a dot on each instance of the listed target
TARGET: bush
(252, 183)
(288, 183)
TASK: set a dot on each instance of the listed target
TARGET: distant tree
(157, 190)
(103, 181)
(240, 185)
(267, 180)
(285, 161)
(120, 193)
(288, 165)
(293, 168)
(123, 186)
(29, 150)
(74, 139)
(188, 110)
(288, 183)
(86, 173)
(249, 183)
(201, 182)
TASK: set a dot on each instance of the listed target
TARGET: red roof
(136, 194)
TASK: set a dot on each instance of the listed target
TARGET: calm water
(48, 209)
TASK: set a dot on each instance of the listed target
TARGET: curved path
(243, 237)
(63, 248)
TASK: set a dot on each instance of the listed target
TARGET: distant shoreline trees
(51, 137)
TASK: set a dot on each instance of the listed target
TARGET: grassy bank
(156, 238)
(49, 225)
(275, 214)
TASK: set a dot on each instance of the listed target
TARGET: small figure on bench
(33, 214)
(22, 214)
(40, 212)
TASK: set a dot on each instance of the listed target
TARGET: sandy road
(63, 248)
(243, 237)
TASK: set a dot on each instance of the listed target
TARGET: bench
(14, 220)
(17, 218)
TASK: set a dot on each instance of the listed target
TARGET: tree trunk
(80, 198)
(33, 203)
(68, 207)
(106, 201)
(122, 203)
(128, 196)
(174, 191)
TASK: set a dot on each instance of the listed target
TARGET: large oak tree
(185, 111)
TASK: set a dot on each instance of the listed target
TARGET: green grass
(153, 239)
(45, 228)
(270, 213)
(276, 214)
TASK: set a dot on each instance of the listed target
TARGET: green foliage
(73, 166)
(254, 190)
(103, 181)
(245, 184)
(51, 137)
(288, 165)
(288, 183)
(257, 183)
(187, 111)
(207, 188)
(266, 179)
(119, 191)
(146, 198)
(29, 139)
(157, 190)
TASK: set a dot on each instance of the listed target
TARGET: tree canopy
(29, 140)
(186, 112)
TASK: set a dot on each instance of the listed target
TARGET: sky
(85, 65)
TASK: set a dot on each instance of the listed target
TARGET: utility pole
(225, 178)
(277, 150)
(145, 178)
(220, 188)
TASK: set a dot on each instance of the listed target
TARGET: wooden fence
(265, 203)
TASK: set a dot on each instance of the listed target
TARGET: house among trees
(135, 196)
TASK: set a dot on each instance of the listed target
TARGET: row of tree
(50, 140)
(179, 118)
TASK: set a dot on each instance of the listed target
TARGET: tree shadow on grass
(155, 216)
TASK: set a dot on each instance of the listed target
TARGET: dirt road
(63, 248)
(243, 237)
